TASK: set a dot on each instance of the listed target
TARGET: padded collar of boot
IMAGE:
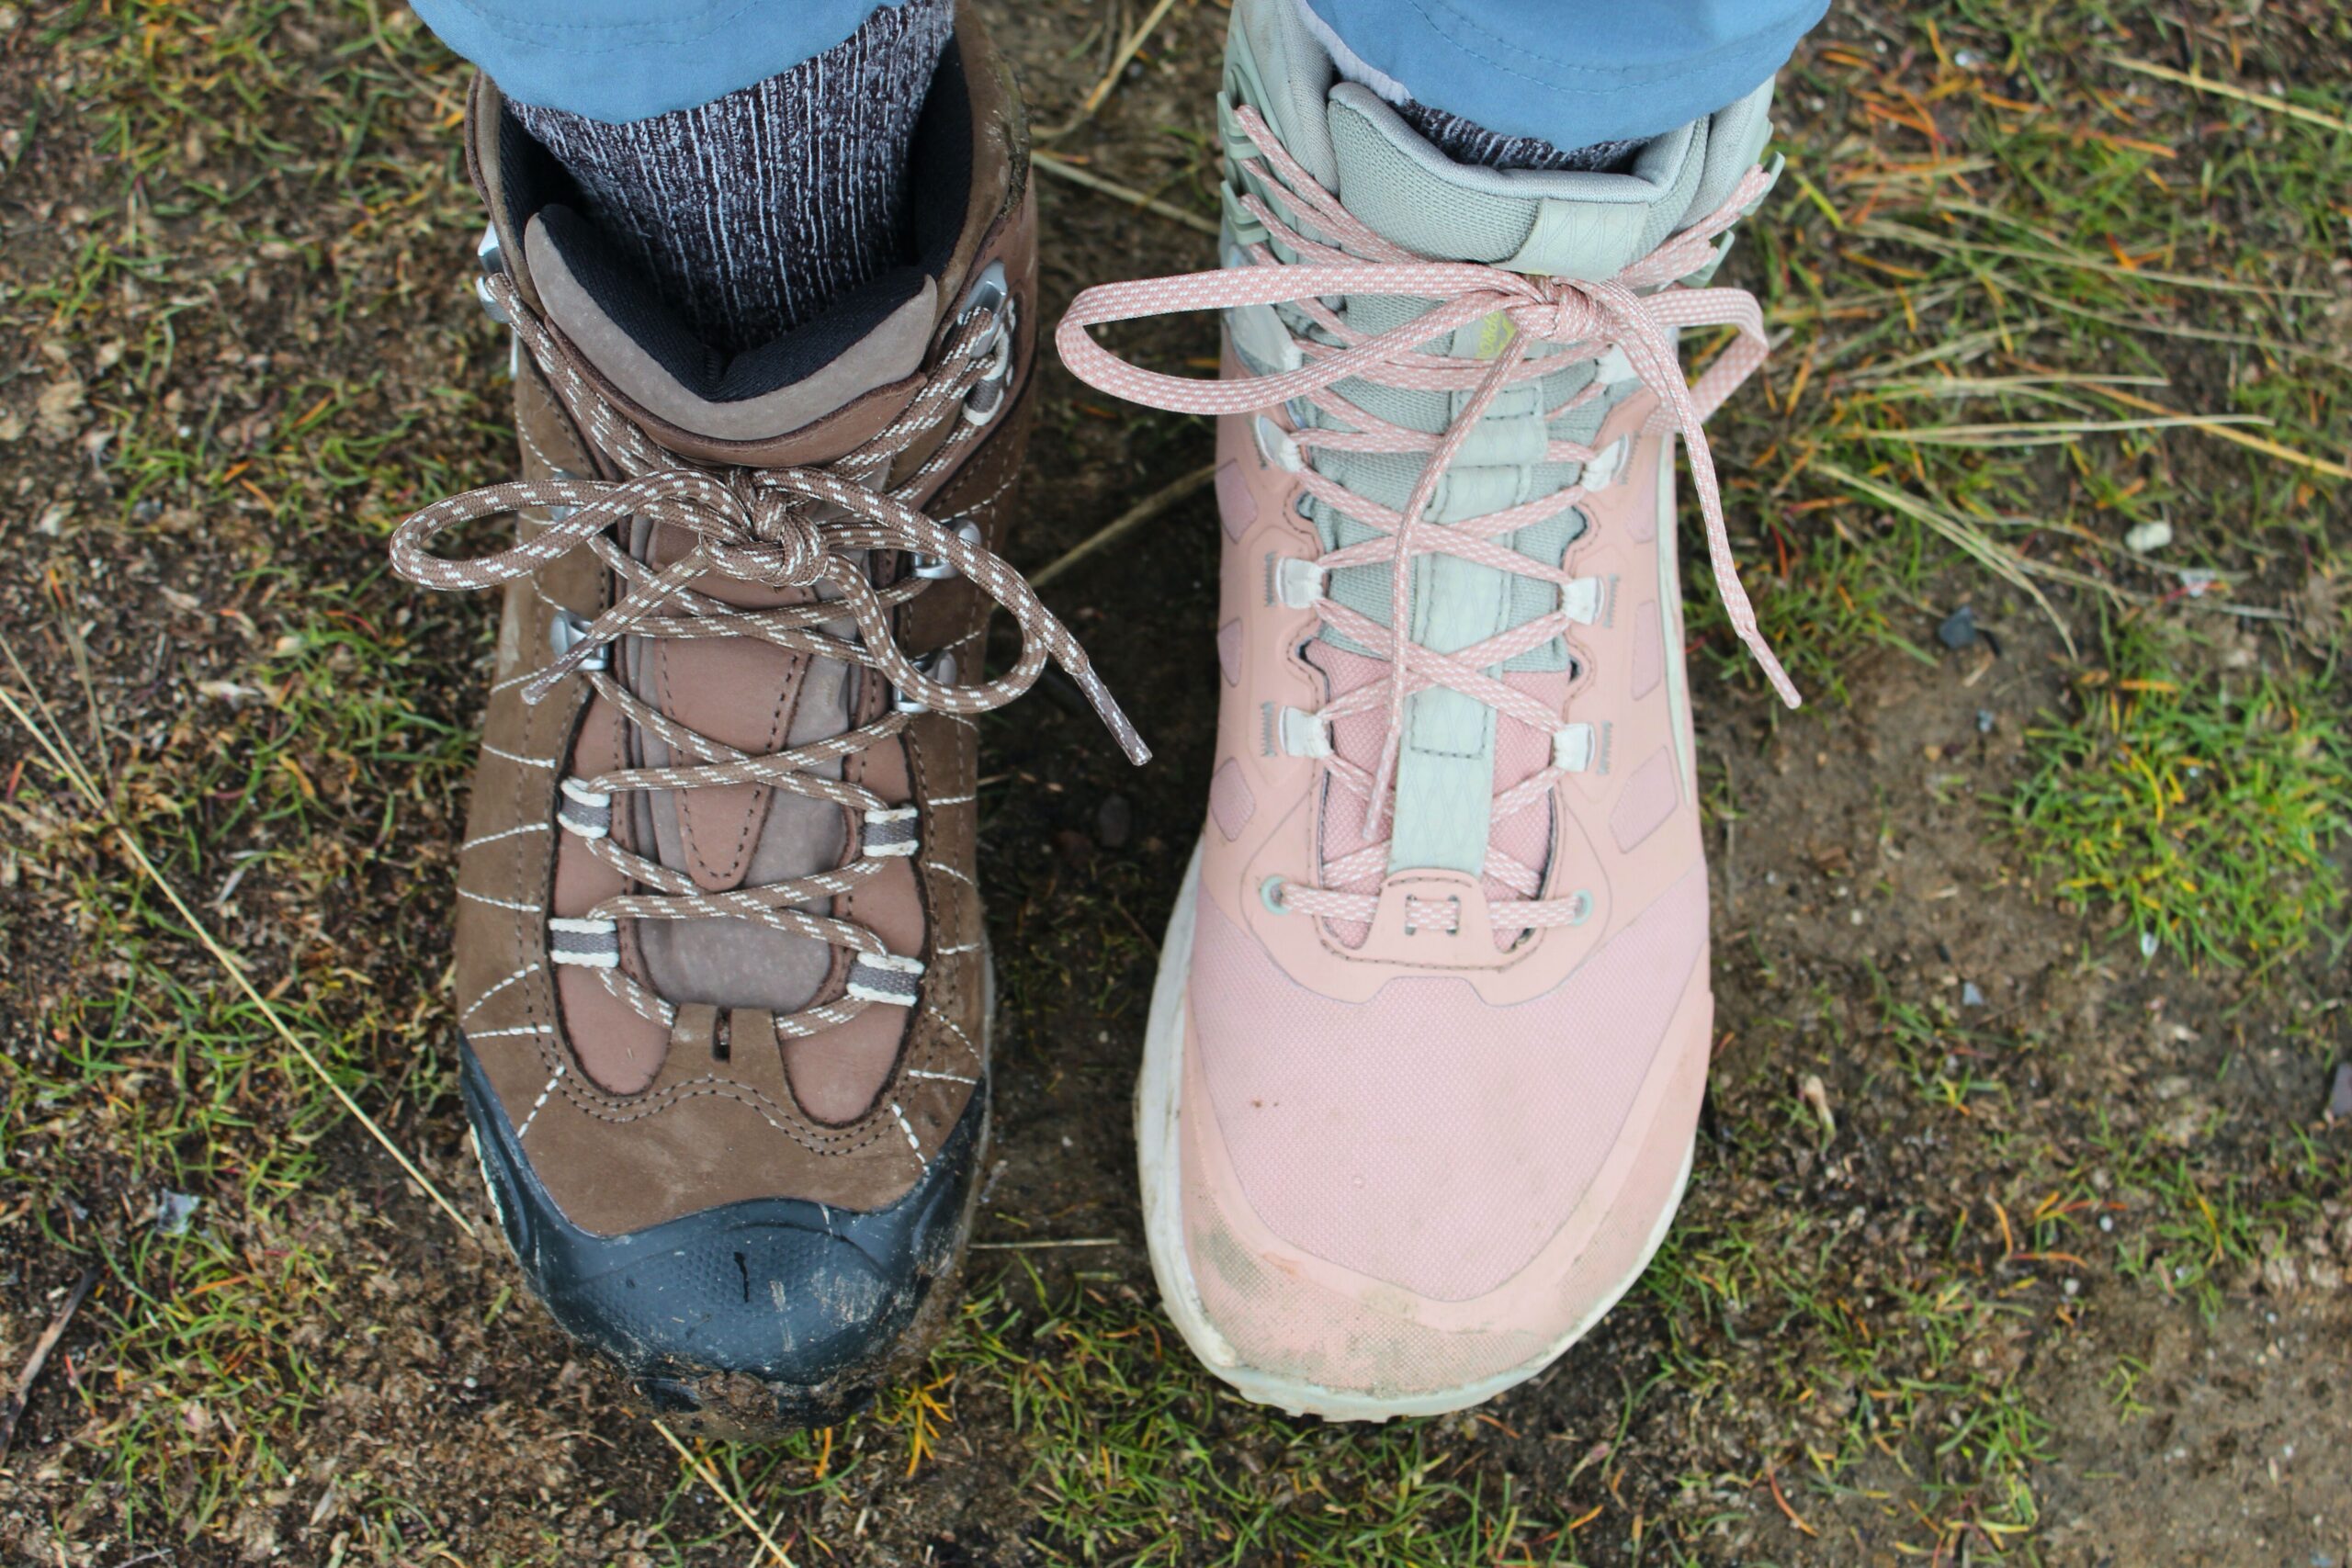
(818, 390)
(1566, 223)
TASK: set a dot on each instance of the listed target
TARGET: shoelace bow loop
(1640, 312)
(779, 527)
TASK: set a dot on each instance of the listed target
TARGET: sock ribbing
(1465, 141)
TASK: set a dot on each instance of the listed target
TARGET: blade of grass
(2224, 90)
(2255, 443)
(2053, 433)
(1134, 518)
(2003, 562)
(1062, 168)
(1134, 42)
(710, 1478)
(1910, 234)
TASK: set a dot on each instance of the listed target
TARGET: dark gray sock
(1465, 141)
(750, 211)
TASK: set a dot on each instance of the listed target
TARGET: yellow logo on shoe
(1495, 334)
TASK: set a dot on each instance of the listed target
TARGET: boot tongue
(1566, 223)
(805, 400)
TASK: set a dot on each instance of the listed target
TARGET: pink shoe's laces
(1637, 312)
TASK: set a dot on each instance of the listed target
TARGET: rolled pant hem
(1529, 67)
(606, 60)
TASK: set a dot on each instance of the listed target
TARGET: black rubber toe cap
(812, 1301)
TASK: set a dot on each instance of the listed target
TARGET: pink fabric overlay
(1641, 521)
(1426, 1139)
(1651, 796)
(1236, 507)
(1230, 800)
(1229, 651)
(1649, 651)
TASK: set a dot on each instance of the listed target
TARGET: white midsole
(1158, 1096)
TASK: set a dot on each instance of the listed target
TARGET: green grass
(1995, 284)
(1140, 1456)
(2195, 808)
(1129, 1452)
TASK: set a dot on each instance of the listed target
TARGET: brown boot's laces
(807, 526)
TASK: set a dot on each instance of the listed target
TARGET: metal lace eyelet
(938, 567)
(990, 289)
(566, 630)
(991, 294)
(938, 668)
(1583, 910)
(492, 260)
(489, 305)
(986, 400)
(1270, 894)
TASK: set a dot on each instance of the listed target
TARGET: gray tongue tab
(1575, 224)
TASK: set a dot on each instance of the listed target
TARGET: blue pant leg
(623, 60)
(1574, 72)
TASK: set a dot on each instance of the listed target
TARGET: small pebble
(2147, 945)
(2339, 1099)
(1115, 821)
(174, 1211)
(1959, 629)
(2147, 537)
(1970, 997)
(1817, 1096)
(1984, 721)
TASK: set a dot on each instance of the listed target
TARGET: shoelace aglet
(1106, 708)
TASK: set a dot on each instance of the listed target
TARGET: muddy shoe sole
(751, 1318)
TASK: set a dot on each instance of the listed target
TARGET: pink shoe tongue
(1519, 754)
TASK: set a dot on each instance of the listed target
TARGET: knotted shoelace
(1638, 312)
(790, 527)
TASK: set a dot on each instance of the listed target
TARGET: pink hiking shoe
(1432, 1020)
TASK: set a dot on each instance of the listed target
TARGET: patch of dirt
(2224, 1445)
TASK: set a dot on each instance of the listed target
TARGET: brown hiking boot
(721, 979)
